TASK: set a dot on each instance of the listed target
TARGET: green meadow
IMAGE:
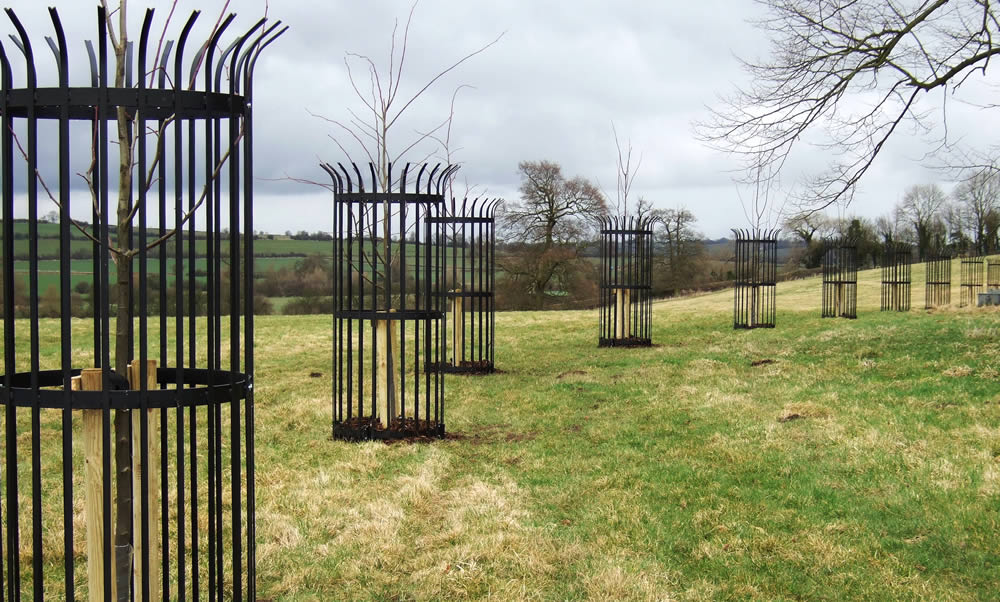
(823, 459)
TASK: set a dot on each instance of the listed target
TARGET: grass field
(823, 459)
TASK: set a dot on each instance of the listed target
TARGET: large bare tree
(553, 219)
(856, 69)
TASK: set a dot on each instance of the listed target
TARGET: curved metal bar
(347, 177)
(403, 178)
(326, 167)
(5, 68)
(238, 75)
(54, 49)
(179, 55)
(211, 45)
(62, 55)
(222, 64)
(248, 83)
(128, 65)
(93, 62)
(420, 175)
(25, 46)
(147, 23)
(361, 181)
(234, 59)
(251, 53)
(164, 59)
(449, 172)
(430, 178)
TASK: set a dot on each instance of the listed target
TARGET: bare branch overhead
(851, 71)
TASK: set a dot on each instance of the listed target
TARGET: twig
(41, 180)
(201, 199)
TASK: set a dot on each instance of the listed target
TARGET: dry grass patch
(958, 371)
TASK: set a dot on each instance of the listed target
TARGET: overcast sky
(549, 89)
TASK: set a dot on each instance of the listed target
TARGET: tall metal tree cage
(993, 274)
(756, 266)
(937, 283)
(897, 259)
(626, 281)
(388, 336)
(972, 280)
(840, 279)
(133, 431)
(468, 284)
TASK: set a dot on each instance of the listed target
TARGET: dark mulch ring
(476, 368)
(629, 342)
(401, 430)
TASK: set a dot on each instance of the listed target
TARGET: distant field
(269, 254)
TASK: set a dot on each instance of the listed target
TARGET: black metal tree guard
(387, 316)
(468, 282)
(972, 280)
(626, 282)
(187, 428)
(840, 279)
(937, 287)
(993, 274)
(756, 264)
(896, 261)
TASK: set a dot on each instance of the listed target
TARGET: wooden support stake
(91, 379)
(628, 313)
(135, 377)
(387, 371)
(623, 314)
(838, 300)
(457, 328)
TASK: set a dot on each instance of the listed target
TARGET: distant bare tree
(979, 195)
(854, 68)
(889, 229)
(919, 208)
(955, 220)
(675, 235)
(806, 225)
(811, 228)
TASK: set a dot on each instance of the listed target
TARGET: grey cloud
(548, 90)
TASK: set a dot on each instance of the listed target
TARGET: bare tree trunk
(123, 323)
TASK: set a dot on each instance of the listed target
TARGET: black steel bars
(147, 223)
(468, 270)
(756, 260)
(840, 279)
(993, 274)
(972, 280)
(388, 251)
(895, 292)
(626, 282)
(937, 282)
